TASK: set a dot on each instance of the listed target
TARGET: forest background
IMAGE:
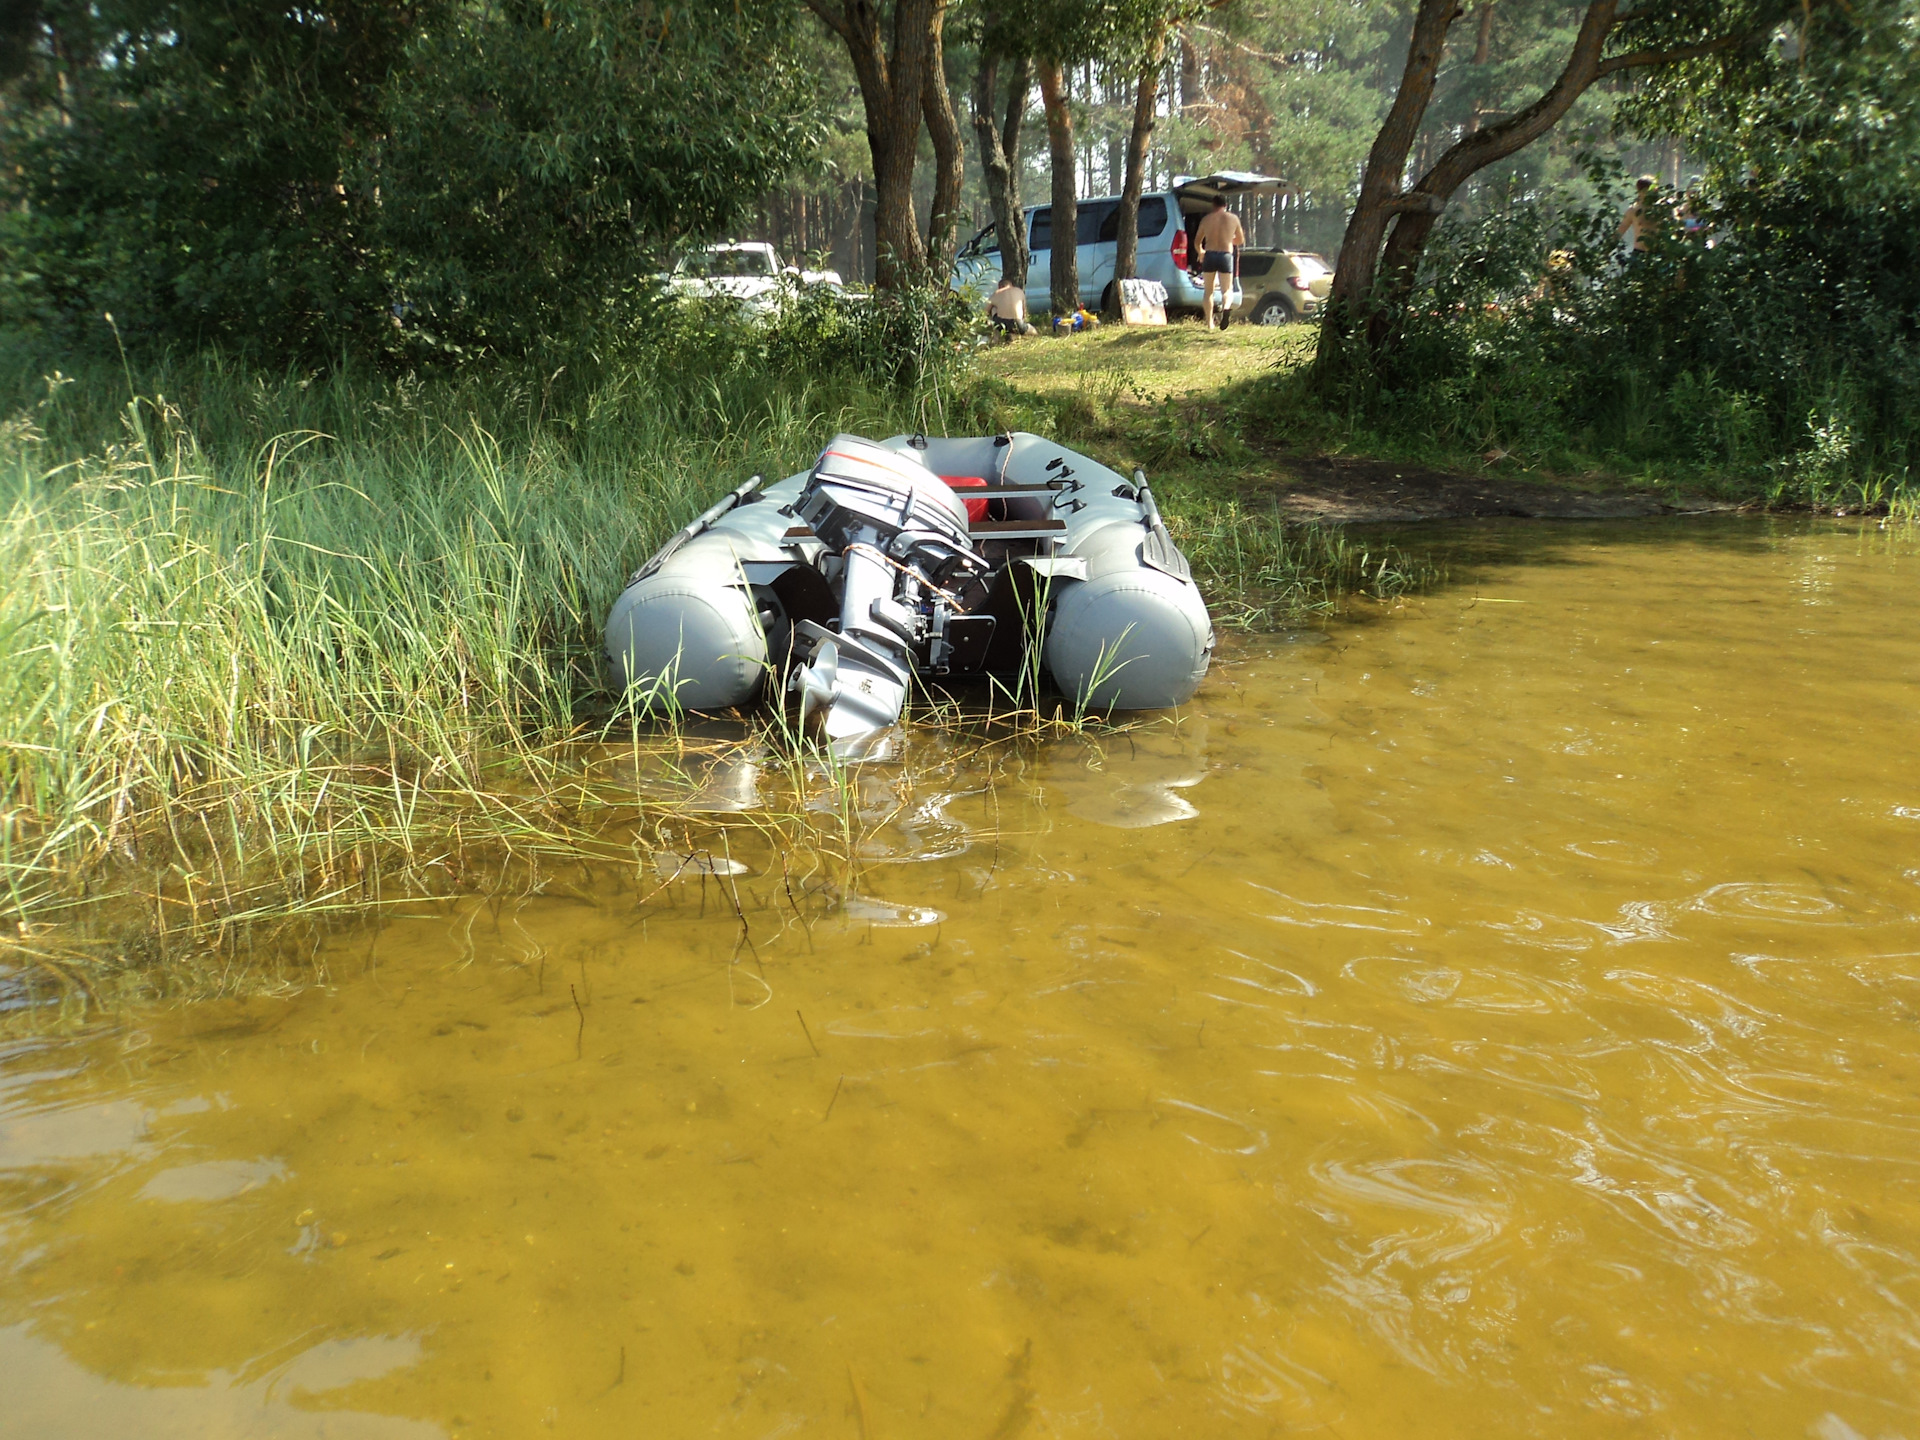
(436, 184)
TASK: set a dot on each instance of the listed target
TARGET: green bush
(1785, 358)
(410, 184)
(901, 338)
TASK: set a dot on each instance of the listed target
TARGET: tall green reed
(256, 650)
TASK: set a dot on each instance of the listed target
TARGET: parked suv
(1167, 222)
(748, 272)
(1281, 286)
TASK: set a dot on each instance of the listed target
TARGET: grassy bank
(279, 639)
(1223, 417)
(287, 645)
(1226, 415)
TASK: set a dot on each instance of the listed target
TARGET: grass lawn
(1184, 403)
(1148, 362)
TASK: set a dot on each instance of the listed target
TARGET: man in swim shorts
(1218, 239)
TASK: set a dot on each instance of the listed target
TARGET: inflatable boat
(915, 558)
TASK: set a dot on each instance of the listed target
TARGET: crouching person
(1007, 308)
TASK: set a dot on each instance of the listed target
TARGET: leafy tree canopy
(1826, 105)
(443, 177)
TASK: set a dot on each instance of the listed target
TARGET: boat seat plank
(1016, 529)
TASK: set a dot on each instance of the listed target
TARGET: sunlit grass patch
(1174, 359)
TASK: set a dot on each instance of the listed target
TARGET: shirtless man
(1007, 308)
(1218, 238)
(1638, 220)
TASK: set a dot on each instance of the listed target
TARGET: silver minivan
(1168, 219)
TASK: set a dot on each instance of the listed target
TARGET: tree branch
(1638, 58)
(1242, 46)
(833, 18)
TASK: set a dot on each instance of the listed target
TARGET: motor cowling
(863, 493)
(897, 536)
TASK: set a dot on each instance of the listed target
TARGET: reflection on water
(1500, 1017)
(288, 1397)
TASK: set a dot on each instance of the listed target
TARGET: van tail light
(1179, 251)
(1297, 283)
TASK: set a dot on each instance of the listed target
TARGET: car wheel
(1273, 311)
(1110, 300)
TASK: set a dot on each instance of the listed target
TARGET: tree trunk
(999, 159)
(892, 80)
(1064, 283)
(1429, 195)
(1482, 51)
(1146, 100)
(1380, 182)
(949, 159)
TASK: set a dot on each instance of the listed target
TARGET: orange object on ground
(976, 509)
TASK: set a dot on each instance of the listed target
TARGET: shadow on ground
(1338, 490)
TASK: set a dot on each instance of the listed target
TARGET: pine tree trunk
(892, 80)
(1482, 50)
(1064, 285)
(1000, 157)
(1353, 274)
(949, 160)
(898, 259)
(1146, 100)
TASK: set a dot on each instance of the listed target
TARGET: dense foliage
(421, 181)
(1786, 357)
(411, 180)
(1770, 333)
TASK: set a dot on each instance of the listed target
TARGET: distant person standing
(1007, 308)
(1219, 239)
(1638, 220)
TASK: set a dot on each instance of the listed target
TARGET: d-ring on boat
(916, 556)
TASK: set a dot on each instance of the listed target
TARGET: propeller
(815, 682)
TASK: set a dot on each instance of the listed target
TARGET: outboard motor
(856, 576)
(907, 576)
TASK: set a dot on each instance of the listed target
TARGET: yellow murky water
(1500, 1017)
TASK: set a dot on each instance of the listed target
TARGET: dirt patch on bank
(1335, 490)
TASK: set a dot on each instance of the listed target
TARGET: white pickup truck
(748, 271)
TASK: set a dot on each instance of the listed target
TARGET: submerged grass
(278, 648)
